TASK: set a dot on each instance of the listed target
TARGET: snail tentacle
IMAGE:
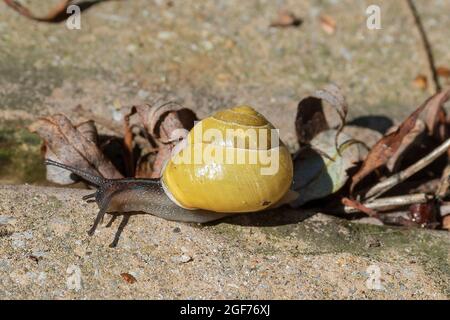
(95, 180)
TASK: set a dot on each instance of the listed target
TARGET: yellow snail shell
(211, 183)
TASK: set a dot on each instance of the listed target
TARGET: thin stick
(444, 211)
(392, 181)
(398, 201)
(426, 47)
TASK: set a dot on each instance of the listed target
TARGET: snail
(224, 166)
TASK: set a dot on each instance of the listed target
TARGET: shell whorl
(238, 127)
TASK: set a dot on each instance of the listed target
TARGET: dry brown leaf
(166, 123)
(443, 72)
(150, 138)
(171, 122)
(163, 127)
(61, 176)
(128, 277)
(71, 146)
(151, 165)
(286, 19)
(328, 24)
(144, 166)
(141, 110)
(435, 115)
(412, 138)
(88, 130)
(386, 147)
(421, 82)
(313, 116)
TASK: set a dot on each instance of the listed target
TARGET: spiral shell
(230, 162)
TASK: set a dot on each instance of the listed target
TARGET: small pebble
(117, 115)
(6, 220)
(207, 45)
(165, 35)
(131, 48)
(142, 94)
(184, 258)
(176, 230)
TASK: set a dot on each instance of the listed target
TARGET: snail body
(224, 166)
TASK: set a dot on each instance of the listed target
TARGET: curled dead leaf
(88, 130)
(171, 122)
(167, 123)
(318, 111)
(163, 127)
(321, 169)
(59, 175)
(366, 135)
(151, 164)
(74, 146)
(412, 138)
(142, 111)
(434, 114)
(144, 166)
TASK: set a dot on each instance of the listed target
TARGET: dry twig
(390, 202)
(425, 45)
(392, 181)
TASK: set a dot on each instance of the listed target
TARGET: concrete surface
(45, 252)
(206, 55)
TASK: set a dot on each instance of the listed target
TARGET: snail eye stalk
(95, 180)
